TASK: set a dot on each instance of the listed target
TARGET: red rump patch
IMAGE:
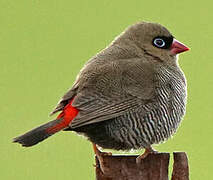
(68, 114)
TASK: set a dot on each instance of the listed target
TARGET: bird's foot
(100, 156)
(99, 153)
(147, 151)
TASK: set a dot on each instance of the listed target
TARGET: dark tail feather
(38, 134)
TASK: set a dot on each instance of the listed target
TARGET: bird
(130, 95)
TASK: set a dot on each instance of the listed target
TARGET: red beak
(178, 47)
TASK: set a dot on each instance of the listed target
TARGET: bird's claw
(99, 156)
(147, 151)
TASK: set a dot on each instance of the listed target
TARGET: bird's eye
(158, 42)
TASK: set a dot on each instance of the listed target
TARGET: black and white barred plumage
(146, 124)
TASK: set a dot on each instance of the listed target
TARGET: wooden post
(180, 166)
(153, 167)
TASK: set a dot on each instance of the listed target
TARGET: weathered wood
(180, 166)
(153, 167)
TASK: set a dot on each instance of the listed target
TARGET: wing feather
(105, 91)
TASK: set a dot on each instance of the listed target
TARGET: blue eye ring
(158, 42)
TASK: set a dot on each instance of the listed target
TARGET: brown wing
(108, 90)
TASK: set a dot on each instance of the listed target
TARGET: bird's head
(155, 40)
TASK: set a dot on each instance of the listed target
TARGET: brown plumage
(130, 95)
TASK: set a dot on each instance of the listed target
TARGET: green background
(43, 45)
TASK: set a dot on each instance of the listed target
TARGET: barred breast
(147, 124)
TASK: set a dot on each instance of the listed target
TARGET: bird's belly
(134, 130)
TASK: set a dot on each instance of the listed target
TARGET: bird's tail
(46, 130)
(40, 133)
